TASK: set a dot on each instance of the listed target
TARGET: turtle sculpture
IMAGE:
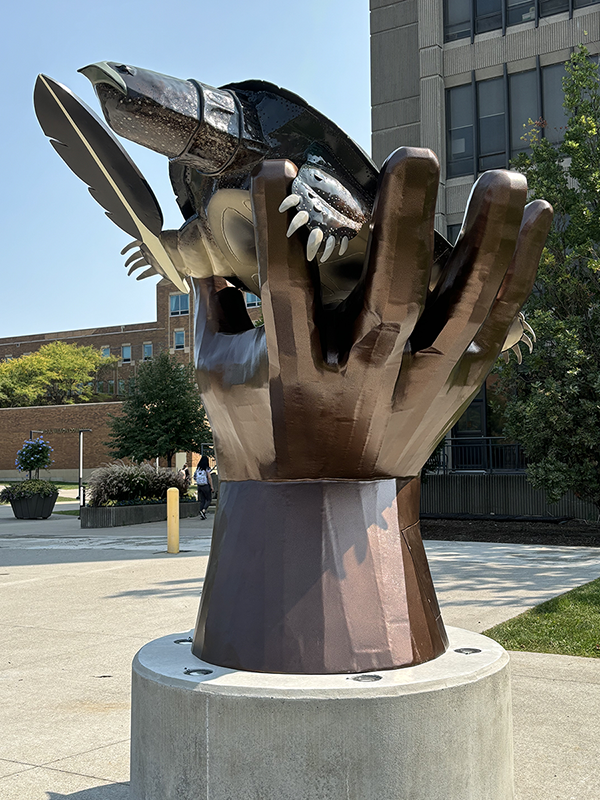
(214, 139)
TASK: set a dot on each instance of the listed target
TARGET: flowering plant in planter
(34, 455)
(30, 499)
(28, 488)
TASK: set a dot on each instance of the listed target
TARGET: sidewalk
(81, 603)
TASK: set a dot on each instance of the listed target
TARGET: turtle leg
(332, 212)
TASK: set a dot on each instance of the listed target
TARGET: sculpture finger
(474, 272)
(470, 372)
(287, 279)
(400, 250)
(516, 286)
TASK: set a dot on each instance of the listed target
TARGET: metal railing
(478, 454)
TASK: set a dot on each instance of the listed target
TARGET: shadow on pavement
(180, 588)
(111, 791)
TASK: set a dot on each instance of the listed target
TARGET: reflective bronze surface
(365, 390)
(376, 336)
(318, 577)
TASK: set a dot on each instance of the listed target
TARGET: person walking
(204, 483)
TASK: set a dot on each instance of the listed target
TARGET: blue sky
(60, 263)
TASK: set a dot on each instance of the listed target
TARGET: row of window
(465, 18)
(108, 387)
(486, 120)
(147, 348)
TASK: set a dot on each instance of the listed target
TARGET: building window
(100, 387)
(490, 124)
(111, 387)
(179, 337)
(452, 232)
(499, 111)
(121, 386)
(524, 105)
(488, 15)
(105, 352)
(457, 19)
(126, 353)
(147, 351)
(252, 300)
(459, 119)
(518, 11)
(549, 7)
(465, 18)
(179, 304)
(553, 99)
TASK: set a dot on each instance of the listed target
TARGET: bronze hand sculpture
(323, 417)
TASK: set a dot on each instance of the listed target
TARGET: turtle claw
(314, 242)
(527, 326)
(528, 342)
(516, 333)
(299, 220)
(141, 263)
(344, 245)
(128, 247)
(289, 202)
(517, 351)
(329, 246)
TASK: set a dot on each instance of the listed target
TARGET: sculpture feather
(92, 152)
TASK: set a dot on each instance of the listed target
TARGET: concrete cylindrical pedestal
(437, 731)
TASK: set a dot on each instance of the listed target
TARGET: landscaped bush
(132, 484)
(29, 488)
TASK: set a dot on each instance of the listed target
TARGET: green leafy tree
(163, 416)
(56, 374)
(553, 406)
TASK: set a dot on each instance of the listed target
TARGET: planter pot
(34, 507)
(116, 516)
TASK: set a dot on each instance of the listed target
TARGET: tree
(553, 406)
(163, 416)
(56, 374)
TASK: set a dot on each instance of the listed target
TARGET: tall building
(463, 77)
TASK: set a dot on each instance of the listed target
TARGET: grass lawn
(73, 512)
(568, 625)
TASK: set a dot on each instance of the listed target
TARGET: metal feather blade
(90, 149)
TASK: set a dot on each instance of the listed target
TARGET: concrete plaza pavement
(77, 605)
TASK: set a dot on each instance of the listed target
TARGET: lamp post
(81, 432)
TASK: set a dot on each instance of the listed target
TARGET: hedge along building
(132, 344)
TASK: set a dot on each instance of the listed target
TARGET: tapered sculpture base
(318, 577)
(437, 731)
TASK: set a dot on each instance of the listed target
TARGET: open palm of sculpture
(368, 389)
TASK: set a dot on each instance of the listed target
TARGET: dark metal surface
(318, 577)
(345, 393)
(324, 416)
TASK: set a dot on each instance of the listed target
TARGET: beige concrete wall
(411, 67)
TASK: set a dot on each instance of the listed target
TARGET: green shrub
(126, 484)
(28, 488)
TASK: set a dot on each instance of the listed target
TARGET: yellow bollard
(172, 520)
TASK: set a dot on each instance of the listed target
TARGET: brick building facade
(132, 344)
(59, 425)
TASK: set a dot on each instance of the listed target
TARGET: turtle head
(182, 119)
